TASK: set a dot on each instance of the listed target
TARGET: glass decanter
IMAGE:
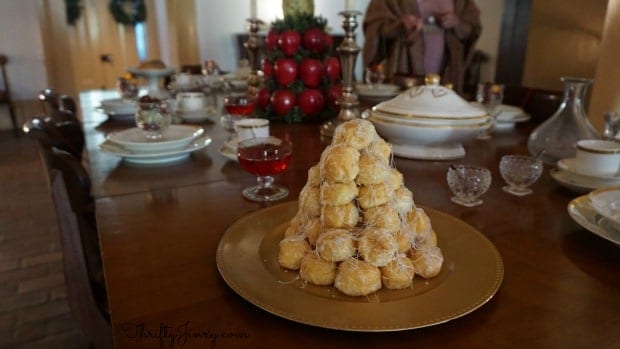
(558, 134)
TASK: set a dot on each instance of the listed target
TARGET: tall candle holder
(253, 46)
(348, 51)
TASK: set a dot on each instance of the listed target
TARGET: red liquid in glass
(240, 109)
(253, 160)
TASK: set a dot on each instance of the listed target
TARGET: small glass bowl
(468, 183)
(520, 171)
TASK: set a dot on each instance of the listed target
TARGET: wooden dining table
(160, 226)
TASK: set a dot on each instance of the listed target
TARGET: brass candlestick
(348, 51)
(253, 47)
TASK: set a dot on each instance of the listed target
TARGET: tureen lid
(429, 101)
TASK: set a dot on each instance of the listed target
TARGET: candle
(253, 9)
(348, 5)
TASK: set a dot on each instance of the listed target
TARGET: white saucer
(155, 158)
(228, 153)
(377, 90)
(229, 149)
(580, 184)
(569, 165)
(509, 115)
(606, 202)
(119, 105)
(175, 138)
(582, 212)
(199, 115)
(118, 116)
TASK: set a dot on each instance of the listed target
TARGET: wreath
(73, 10)
(128, 12)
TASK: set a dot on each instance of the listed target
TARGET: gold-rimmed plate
(247, 259)
(581, 211)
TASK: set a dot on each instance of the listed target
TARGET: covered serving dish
(429, 122)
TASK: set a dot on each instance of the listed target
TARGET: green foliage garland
(73, 10)
(128, 12)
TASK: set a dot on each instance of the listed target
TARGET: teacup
(191, 101)
(597, 158)
(251, 128)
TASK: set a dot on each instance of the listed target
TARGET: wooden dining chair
(5, 93)
(51, 144)
(60, 122)
(84, 302)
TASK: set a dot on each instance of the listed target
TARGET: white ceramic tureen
(429, 122)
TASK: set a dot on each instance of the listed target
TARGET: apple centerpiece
(302, 76)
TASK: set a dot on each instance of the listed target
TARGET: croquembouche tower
(357, 226)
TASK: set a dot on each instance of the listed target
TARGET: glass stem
(264, 181)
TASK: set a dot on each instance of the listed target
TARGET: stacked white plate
(383, 91)
(567, 175)
(599, 212)
(508, 116)
(178, 142)
(119, 109)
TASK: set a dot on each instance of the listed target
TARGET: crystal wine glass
(238, 106)
(490, 96)
(519, 171)
(374, 75)
(264, 158)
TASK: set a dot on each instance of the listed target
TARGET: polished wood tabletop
(160, 227)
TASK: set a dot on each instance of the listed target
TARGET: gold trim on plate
(398, 122)
(247, 259)
(428, 117)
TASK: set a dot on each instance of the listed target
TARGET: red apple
(282, 101)
(311, 72)
(311, 102)
(289, 41)
(328, 40)
(267, 67)
(262, 98)
(314, 40)
(271, 40)
(333, 94)
(285, 70)
(332, 68)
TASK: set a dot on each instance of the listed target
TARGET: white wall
(217, 20)
(21, 43)
(491, 13)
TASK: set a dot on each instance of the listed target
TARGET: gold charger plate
(247, 259)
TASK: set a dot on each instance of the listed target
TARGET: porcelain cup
(190, 101)
(183, 79)
(598, 158)
(251, 128)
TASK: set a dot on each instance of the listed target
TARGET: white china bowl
(429, 122)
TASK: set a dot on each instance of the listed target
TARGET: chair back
(5, 93)
(61, 130)
(82, 302)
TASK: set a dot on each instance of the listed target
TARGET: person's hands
(448, 20)
(411, 25)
